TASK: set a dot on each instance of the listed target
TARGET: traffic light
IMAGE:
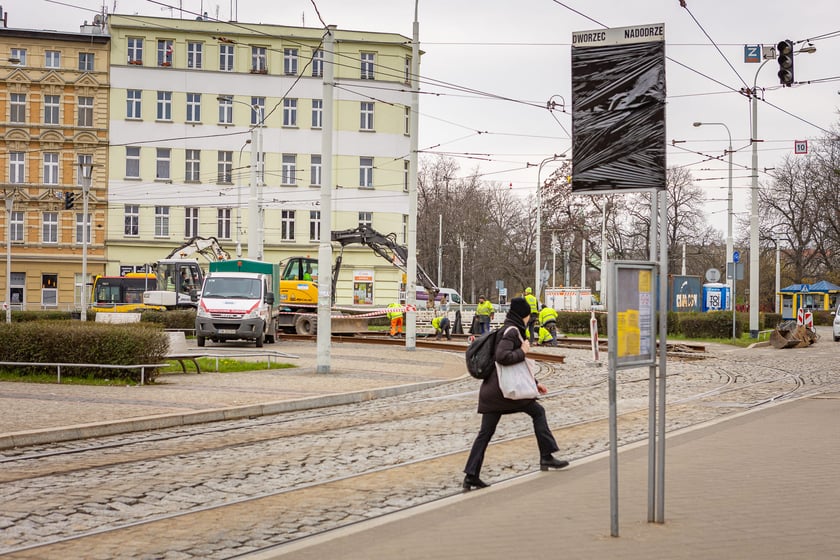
(785, 51)
(69, 198)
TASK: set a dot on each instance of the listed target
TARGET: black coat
(508, 352)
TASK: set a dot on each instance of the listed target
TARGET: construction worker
(532, 300)
(546, 338)
(548, 320)
(395, 314)
(441, 326)
(484, 311)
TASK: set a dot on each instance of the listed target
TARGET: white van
(452, 295)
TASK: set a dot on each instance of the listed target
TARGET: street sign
(800, 146)
(736, 256)
(712, 275)
(752, 53)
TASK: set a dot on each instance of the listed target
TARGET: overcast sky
(515, 55)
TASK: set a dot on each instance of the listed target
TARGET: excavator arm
(385, 246)
(207, 247)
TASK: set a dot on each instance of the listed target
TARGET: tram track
(389, 479)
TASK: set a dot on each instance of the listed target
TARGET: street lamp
(255, 226)
(729, 243)
(9, 202)
(86, 174)
(537, 282)
(753, 95)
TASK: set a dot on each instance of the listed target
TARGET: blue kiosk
(822, 296)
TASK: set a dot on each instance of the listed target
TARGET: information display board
(632, 318)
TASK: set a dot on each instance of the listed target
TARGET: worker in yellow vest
(395, 314)
(531, 300)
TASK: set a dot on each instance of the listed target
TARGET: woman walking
(511, 348)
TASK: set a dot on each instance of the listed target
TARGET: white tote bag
(517, 380)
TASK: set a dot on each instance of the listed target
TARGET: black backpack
(481, 355)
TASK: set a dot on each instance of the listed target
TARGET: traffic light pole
(86, 170)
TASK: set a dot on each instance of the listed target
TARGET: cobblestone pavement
(147, 475)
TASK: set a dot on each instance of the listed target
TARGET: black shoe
(550, 462)
(471, 482)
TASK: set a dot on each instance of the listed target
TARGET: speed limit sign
(800, 146)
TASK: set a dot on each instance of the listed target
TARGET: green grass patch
(34, 377)
(226, 365)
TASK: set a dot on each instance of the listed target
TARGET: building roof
(821, 286)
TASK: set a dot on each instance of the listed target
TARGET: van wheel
(260, 340)
(306, 324)
(199, 340)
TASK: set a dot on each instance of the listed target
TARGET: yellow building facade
(54, 94)
(185, 97)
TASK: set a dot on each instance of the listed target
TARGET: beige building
(53, 117)
(185, 96)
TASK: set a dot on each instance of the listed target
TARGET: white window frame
(257, 109)
(52, 109)
(132, 162)
(315, 170)
(225, 109)
(287, 225)
(17, 107)
(49, 293)
(290, 112)
(86, 61)
(259, 62)
(223, 223)
(161, 221)
(407, 113)
(79, 231)
(17, 167)
(193, 107)
(287, 173)
(368, 62)
(366, 219)
(314, 225)
(165, 50)
(226, 58)
(195, 54)
(51, 168)
(290, 62)
(317, 113)
(49, 228)
(134, 104)
(366, 109)
(85, 111)
(164, 106)
(192, 166)
(135, 49)
(52, 59)
(16, 226)
(19, 54)
(318, 63)
(366, 172)
(131, 220)
(406, 168)
(191, 222)
(82, 160)
(224, 167)
(163, 164)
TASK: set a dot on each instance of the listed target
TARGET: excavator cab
(176, 279)
(299, 282)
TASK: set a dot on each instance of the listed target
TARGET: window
(223, 221)
(49, 290)
(194, 55)
(51, 168)
(20, 55)
(17, 108)
(406, 167)
(314, 225)
(164, 52)
(49, 227)
(190, 222)
(86, 62)
(83, 160)
(16, 227)
(405, 229)
(290, 62)
(192, 173)
(132, 162)
(407, 72)
(365, 219)
(225, 110)
(257, 109)
(366, 172)
(288, 169)
(287, 225)
(258, 60)
(290, 112)
(225, 167)
(161, 221)
(226, 58)
(81, 229)
(315, 170)
(135, 50)
(193, 107)
(317, 113)
(318, 63)
(52, 59)
(407, 119)
(162, 163)
(51, 109)
(17, 287)
(367, 65)
(132, 220)
(164, 105)
(133, 103)
(17, 165)
(85, 105)
(366, 115)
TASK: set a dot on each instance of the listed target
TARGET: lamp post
(255, 226)
(754, 199)
(9, 202)
(537, 282)
(778, 275)
(729, 243)
(86, 173)
(602, 295)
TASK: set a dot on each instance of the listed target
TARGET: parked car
(836, 327)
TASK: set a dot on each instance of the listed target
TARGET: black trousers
(532, 327)
(489, 420)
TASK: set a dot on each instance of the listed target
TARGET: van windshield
(232, 288)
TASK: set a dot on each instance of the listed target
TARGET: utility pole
(414, 123)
